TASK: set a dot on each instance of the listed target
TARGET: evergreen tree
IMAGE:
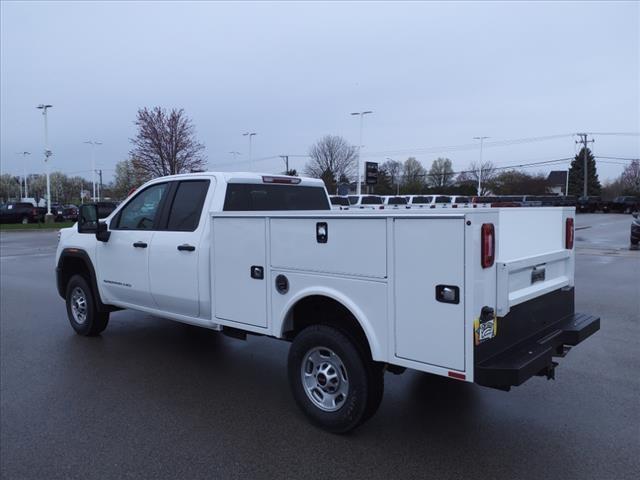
(576, 175)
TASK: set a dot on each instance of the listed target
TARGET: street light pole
(24, 172)
(249, 134)
(358, 182)
(47, 154)
(93, 144)
(480, 165)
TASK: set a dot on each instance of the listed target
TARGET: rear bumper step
(535, 356)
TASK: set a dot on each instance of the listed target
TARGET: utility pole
(480, 166)
(358, 182)
(249, 134)
(286, 163)
(47, 154)
(583, 140)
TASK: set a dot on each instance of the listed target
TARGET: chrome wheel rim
(324, 379)
(79, 305)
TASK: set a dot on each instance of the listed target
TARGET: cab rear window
(251, 197)
(371, 200)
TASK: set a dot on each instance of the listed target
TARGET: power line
(620, 158)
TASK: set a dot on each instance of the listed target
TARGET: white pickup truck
(480, 295)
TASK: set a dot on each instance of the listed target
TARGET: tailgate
(531, 256)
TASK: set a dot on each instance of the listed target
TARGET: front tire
(82, 309)
(333, 383)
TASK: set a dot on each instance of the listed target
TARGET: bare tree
(413, 176)
(630, 178)
(441, 173)
(332, 157)
(165, 143)
(127, 177)
(485, 170)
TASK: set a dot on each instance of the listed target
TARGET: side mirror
(88, 219)
(88, 223)
(103, 232)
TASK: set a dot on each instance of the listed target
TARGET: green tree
(441, 173)
(576, 175)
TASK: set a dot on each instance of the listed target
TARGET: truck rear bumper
(534, 356)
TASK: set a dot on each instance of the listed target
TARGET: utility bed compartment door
(239, 256)
(429, 253)
(353, 246)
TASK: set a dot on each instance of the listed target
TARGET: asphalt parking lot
(155, 399)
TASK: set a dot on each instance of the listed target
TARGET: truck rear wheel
(333, 383)
(81, 308)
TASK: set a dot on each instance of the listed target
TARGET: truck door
(123, 261)
(239, 270)
(429, 290)
(175, 252)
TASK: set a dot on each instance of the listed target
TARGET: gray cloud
(434, 74)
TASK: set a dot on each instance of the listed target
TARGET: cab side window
(140, 213)
(187, 205)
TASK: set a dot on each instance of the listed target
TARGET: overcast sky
(434, 74)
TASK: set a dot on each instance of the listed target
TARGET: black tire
(80, 295)
(364, 378)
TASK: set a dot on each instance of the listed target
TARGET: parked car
(70, 213)
(419, 201)
(590, 204)
(460, 201)
(355, 295)
(635, 229)
(105, 208)
(21, 212)
(339, 202)
(625, 204)
(396, 202)
(367, 202)
(57, 211)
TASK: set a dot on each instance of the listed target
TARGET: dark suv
(21, 212)
(625, 204)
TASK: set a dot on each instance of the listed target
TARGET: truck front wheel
(333, 383)
(81, 308)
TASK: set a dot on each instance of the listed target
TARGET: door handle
(140, 245)
(186, 248)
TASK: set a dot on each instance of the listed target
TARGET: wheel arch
(329, 307)
(75, 261)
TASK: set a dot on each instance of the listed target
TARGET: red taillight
(488, 248)
(568, 234)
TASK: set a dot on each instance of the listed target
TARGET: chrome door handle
(186, 248)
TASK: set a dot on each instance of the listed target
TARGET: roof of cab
(245, 177)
